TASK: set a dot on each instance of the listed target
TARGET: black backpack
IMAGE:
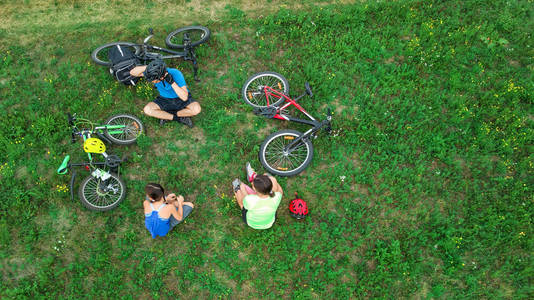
(122, 61)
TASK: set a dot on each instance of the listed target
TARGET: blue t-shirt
(165, 89)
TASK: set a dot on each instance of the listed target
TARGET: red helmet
(298, 208)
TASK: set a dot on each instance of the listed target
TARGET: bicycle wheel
(99, 195)
(253, 93)
(197, 34)
(100, 55)
(133, 128)
(276, 161)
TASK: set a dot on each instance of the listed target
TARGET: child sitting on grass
(259, 203)
(162, 212)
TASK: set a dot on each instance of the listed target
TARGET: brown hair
(155, 191)
(264, 185)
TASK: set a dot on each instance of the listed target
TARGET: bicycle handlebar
(71, 119)
(150, 35)
(64, 166)
(145, 41)
(308, 89)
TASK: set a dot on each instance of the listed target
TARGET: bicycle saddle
(267, 112)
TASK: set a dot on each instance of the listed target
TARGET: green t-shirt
(261, 211)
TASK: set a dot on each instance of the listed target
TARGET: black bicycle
(186, 39)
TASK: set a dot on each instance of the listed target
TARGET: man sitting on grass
(174, 101)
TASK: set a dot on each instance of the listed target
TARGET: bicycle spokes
(284, 159)
(102, 193)
(124, 129)
(258, 92)
(189, 36)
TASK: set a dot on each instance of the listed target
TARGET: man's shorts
(173, 105)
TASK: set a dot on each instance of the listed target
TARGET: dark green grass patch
(424, 189)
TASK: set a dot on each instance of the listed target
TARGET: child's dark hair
(264, 185)
(155, 191)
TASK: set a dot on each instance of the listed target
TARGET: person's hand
(171, 197)
(168, 78)
(179, 201)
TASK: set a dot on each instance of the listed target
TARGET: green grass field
(425, 191)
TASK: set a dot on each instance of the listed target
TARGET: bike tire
(199, 35)
(275, 162)
(100, 56)
(96, 199)
(133, 129)
(252, 89)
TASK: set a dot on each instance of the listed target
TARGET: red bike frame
(270, 92)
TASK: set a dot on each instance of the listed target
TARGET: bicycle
(186, 38)
(286, 152)
(102, 189)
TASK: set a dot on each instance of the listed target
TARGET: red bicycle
(286, 152)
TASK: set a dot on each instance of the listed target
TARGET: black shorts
(244, 215)
(173, 105)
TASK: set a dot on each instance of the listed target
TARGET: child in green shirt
(259, 203)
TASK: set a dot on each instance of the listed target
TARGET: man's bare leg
(153, 110)
(190, 110)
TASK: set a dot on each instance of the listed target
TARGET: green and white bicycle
(102, 189)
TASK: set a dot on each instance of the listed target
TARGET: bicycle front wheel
(197, 35)
(101, 195)
(100, 54)
(285, 163)
(125, 129)
(253, 89)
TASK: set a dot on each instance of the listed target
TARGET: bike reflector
(94, 145)
(289, 137)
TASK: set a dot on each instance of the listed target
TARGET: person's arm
(176, 78)
(180, 91)
(138, 71)
(176, 208)
(276, 186)
(145, 206)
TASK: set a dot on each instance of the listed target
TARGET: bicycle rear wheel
(100, 54)
(277, 161)
(253, 94)
(102, 195)
(197, 34)
(128, 134)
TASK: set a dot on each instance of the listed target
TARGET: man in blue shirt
(174, 101)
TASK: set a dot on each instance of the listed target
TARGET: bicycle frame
(317, 125)
(86, 133)
(187, 54)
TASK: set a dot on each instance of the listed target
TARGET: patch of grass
(424, 189)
